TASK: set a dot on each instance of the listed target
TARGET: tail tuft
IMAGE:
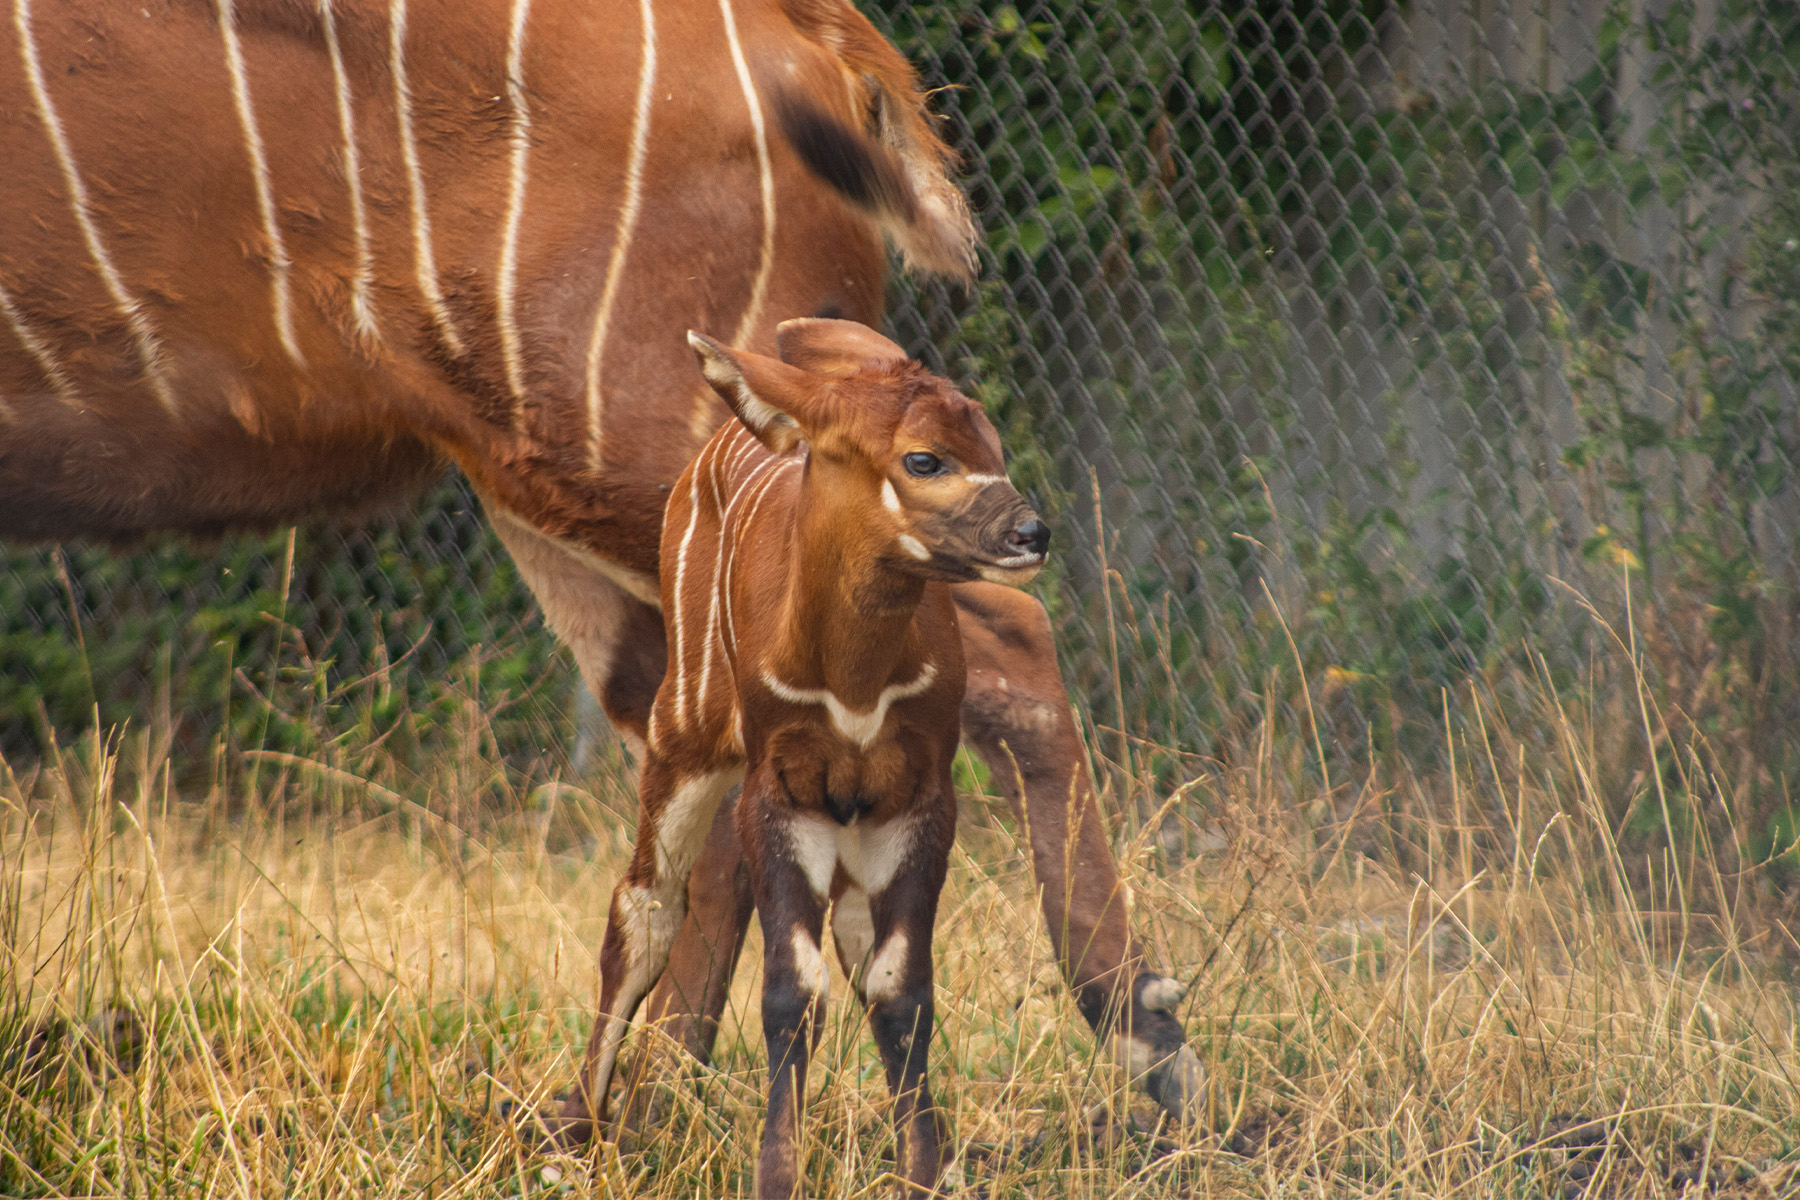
(904, 188)
(862, 171)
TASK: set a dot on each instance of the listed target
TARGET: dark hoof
(1155, 1051)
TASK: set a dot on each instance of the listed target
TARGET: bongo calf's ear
(828, 347)
(772, 399)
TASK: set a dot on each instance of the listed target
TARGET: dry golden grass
(313, 982)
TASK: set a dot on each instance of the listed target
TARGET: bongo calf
(814, 654)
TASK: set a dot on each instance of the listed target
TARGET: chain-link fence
(1375, 325)
(382, 633)
(1379, 332)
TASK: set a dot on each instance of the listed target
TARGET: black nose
(1033, 537)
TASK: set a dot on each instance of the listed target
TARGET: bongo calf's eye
(920, 464)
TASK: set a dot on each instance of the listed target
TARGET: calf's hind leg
(675, 811)
(689, 999)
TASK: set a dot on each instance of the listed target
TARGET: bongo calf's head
(910, 468)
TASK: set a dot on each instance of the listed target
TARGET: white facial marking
(423, 259)
(854, 927)
(149, 349)
(985, 480)
(362, 305)
(886, 976)
(809, 965)
(623, 227)
(861, 728)
(890, 499)
(507, 285)
(914, 547)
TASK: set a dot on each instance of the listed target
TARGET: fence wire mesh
(1362, 335)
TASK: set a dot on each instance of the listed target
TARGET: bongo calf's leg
(675, 812)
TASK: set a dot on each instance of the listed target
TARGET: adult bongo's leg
(1016, 716)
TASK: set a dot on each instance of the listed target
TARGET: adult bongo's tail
(910, 195)
(897, 169)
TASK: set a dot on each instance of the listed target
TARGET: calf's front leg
(884, 942)
(795, 988)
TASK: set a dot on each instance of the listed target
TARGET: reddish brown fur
(254, 437)
(815, 653)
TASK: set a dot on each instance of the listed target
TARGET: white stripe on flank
(859, 727)
(628, 215)
(148, 349)
(259, 173)
(737, 531)
(515, 209)
(712, 605)
(677, 661)
(362, 306)
(753, 310)
(415, 180)
(46, 360)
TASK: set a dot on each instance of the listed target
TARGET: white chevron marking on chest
(862, 727)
